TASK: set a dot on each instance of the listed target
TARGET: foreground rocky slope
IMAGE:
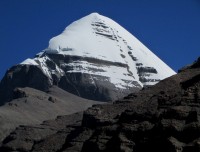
(165, 117)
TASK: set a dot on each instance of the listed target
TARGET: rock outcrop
(22, 76)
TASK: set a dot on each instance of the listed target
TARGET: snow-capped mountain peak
(100, 49)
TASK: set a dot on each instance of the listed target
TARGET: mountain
(94, 58)
(164, 117)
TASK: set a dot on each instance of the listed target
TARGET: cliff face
(22, 76)
(164, 117)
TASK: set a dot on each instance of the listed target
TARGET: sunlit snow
(96, 36)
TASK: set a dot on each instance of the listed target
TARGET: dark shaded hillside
(32, 106)
(165, 117)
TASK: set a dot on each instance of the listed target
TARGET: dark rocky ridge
(165, 117)
(22, 76)
(196, 64)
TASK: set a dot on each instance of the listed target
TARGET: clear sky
(169, 28)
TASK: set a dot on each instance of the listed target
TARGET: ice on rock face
(29, 62)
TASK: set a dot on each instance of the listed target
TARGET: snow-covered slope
(99, 37)
(104, 52)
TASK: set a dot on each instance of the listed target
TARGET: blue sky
(169, 28)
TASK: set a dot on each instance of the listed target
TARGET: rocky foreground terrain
(163, 118)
